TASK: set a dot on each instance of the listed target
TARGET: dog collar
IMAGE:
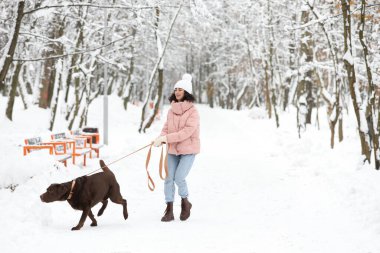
(71, 190)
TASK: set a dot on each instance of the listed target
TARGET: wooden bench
(74, 145)
(95, 146)
(81, 149)
(93, 140)
(36, 143)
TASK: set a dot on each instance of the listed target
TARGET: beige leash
(151, 184)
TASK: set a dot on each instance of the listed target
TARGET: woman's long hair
(187, 97)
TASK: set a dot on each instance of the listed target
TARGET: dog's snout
(41, 197)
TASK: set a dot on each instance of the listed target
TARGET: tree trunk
(200, 78)
(111, 81)
(240, 97)
(11, 46)
(89, 98)
(337, 105)
(158, 99)
(56, 95)
(74, 58)
(11, 101)
(350, 68)
(23, 92)
(58, 80)
(268, 103)
(210, 93)
(76, 107)
(75, 62)
(47, 82)
(157, 65)
(160, 86)
(253, 74)
(307, 55)
(129, 83)
(50, 68)
(273, 84)
(286, 94)
(371, 107)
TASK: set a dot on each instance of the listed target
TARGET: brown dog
(85, 192)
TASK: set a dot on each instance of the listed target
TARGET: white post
(105, 97)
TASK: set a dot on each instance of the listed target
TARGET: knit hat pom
(187, 77)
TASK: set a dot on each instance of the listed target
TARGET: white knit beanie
(185, 83)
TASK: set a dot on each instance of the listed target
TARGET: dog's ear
(61, 190)
(102, 164)
(63, 187)
(52, 187)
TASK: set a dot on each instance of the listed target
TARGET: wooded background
(241, 54)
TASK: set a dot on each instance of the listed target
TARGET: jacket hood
(181, 107)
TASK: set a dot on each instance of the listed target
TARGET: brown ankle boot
(185, 209)
(169, 216)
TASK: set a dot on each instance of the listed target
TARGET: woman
(181, 133)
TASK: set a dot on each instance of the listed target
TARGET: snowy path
(267, 194)
(254, 189)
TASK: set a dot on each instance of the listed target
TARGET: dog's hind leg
(93, 223)
(116, 197)
(85, 213)
(101, 210)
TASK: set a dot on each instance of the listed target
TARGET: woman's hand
(159, 140)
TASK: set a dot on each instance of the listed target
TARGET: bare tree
(372, 109)
(354, 89)
(161, 53)
(6, 59)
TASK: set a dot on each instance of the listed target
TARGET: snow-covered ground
(254, 189)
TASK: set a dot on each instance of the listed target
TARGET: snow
(348, 57)
(254, 188)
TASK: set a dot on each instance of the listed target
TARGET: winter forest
(286, 117)
(307, 54)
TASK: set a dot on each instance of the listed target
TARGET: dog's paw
(94, 224)
(75, 228)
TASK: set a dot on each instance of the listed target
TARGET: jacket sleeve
(164, 130)
(190, 127)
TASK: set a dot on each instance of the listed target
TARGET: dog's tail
(104, 167)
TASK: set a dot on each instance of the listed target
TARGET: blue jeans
(178, 168)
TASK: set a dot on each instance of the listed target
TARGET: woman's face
(179, 94)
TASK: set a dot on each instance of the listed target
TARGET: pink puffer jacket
(182, 129)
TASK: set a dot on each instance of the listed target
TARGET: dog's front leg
(82, 219)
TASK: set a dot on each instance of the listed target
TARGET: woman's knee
(169, 181)
(180, 181)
